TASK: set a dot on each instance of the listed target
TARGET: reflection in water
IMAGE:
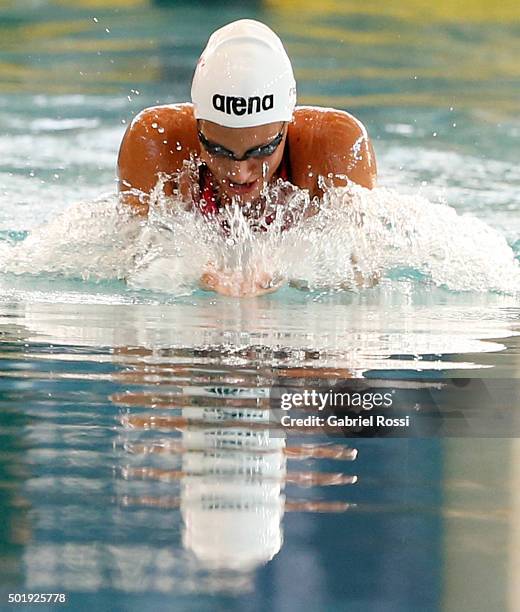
(346, 332)
(15, 528)
(156, 470)
(232, 474)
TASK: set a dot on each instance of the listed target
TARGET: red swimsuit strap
(208, 201)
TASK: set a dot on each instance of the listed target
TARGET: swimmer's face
(242, 180)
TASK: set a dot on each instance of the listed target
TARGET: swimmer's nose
(243, 172)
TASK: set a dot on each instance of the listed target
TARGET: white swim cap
(244, 77)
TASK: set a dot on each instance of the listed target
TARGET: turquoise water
(110, 489)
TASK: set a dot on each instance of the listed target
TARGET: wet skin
(322, 143)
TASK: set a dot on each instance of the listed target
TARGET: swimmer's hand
(237, 284)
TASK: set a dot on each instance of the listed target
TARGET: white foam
(90, 240)
(357, 237)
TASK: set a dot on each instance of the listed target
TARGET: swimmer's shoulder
(169, 129)
(159, 140)
(317, 122)
(179, 117)
(328, 141)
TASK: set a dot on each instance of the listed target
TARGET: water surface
(118, 486)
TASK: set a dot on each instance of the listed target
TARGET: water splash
(354, 238)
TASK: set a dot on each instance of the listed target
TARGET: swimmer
(245, 131)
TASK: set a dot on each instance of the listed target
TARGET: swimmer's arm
(349, 154)
(332, 144)
(157, 142)
(139, 163)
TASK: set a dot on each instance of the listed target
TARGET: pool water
(137, 470)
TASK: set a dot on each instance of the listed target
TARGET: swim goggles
(264, 150)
